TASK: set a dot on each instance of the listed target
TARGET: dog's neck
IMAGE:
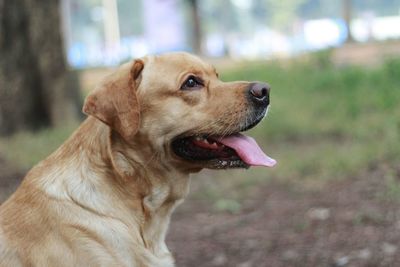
(144, 193)
(162, 187)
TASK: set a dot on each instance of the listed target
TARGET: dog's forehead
(179, 62)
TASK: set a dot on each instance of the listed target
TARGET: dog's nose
(259, 93)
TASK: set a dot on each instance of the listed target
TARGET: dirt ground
(348, 223)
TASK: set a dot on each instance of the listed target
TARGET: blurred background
(334, 124)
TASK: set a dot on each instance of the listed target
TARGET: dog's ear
(115, 101)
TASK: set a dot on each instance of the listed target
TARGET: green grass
(326, 122)
(25, 149)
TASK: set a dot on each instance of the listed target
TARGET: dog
(105, 197)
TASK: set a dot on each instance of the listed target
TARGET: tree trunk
(196, 32)
(36, 88)
(347, 15)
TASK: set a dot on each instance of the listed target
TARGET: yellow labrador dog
(105, 197)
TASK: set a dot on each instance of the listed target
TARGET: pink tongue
(248, 150)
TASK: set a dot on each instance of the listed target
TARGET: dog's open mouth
(233, 151)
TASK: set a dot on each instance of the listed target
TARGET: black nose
(259, 93)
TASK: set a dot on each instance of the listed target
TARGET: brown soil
(348, 223)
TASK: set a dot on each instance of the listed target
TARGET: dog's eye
(192, 83)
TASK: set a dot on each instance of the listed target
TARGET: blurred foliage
(283, 12)
(130, 24)
(228, 16)
(225, 17)
(327, 8)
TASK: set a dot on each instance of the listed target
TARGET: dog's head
(185, 114)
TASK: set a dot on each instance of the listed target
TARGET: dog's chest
(164, 197)
(160, 204)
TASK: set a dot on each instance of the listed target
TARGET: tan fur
(105, 197)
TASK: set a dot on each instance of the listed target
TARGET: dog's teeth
(198, 138)
(214, 145)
